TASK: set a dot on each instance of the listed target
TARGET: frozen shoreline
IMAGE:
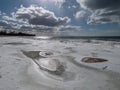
(19, 72)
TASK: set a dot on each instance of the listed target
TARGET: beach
(31, 63)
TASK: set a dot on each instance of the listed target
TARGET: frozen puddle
(73, 76)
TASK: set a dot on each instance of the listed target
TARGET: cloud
(0, 13)
(80, 14)
(47, 30)
(39, 16)
(69, 28)
(8, 18)
(36, 20)
(39, 29)
(103, 11)
(4, 24)
(11, 19)
(42, 28)
(70, 7)
(104, 16)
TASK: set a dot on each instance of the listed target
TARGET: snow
(18, 70)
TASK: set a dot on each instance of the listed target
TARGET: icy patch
(45, 54)
(53, 66)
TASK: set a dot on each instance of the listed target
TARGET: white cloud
(8, 18)
(104, 16)
(39, 16)
(80, 14)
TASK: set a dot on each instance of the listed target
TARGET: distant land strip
(4, 33)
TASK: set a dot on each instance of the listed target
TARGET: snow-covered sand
(19, 71)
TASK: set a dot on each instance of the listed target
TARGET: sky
(62, 17)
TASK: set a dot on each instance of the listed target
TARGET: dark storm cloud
(99, 4)
(39, 16)
(103, 11)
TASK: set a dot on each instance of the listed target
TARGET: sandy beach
(32, 64)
